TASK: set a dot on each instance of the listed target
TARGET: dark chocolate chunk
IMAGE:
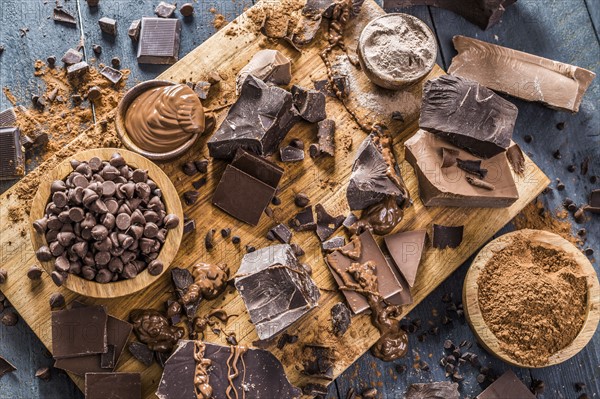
(108, 25)
(507, 386)
(248, 176)
(516, 159)
(113, 385)
(301, 200)
(35, 273)
(12, 159)
(449, 101)
(9, 319)
(275, 288)
(111, 74)
(333, 243)
(326, 224)
(134, 30)
(76, 71)
(282, 233)
(59, 14)
(304, 220)
(370, 182)
(269, 66)
(159, 41)
(443, 389)
(483, 13)
(594, 202)
(165, 10)
(472, 166)
(310, 104)
(57, 300)
(326, 136)
(209, 239)
(318, 361)
(341, 85)
(142, 353)
(350, 220)
(5, 367)
(79, 331)
(199, 183)
(341, 317)
(264, 376)
(107, 360)
(447, 236)
(201, 89)
(182, 279)
(291, 154)
(190, 197)
(258, 121)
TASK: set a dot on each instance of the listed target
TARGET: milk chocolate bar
(275, 288)
(406, 249)
(526, 76)
(258, 121)
(448, 186)
(468, 115)
(260, 376)
(159, 41)
(484, 13)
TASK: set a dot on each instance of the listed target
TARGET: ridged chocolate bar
(12, 160)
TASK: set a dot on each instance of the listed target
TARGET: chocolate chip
(236, 239)
(250, 249)
(34, 273)
(225, 232)
(301, 200)
(115, 62)
(189, 168)
(171, 221)
(400, 368)
(9, 319)
(481, 378)
(202, 165)
(199, 183)
(190, 197)
(97, 49)
(556, 154)
(209, 239)
(571, 168)
(51, 61)
(187, 9)
(276, 201)
(589, 251)
(155, 267)
(57, 300)
(297, 143)
(560, 125)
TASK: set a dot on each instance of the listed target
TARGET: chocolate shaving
(480, 183)
(472, 166)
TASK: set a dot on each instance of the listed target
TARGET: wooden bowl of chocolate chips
(106, 223)
(532, 298)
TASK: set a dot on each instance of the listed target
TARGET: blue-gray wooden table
(564, 30)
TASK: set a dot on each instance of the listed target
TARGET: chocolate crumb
(560, 125)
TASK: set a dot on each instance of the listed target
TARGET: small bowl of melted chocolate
(160, 119)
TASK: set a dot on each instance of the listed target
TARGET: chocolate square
(79, 331)
(159, 41)
(113, 386)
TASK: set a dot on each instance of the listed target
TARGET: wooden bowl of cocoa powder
(532, 298)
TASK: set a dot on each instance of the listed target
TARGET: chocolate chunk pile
(105, 222)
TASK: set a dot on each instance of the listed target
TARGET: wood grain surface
(168, 251)
(559, 30)
(323, 180)
(547, 239)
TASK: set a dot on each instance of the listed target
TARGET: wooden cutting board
(324, 180)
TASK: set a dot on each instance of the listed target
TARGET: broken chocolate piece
(201, 89)
(364, 249)
(76, 71)
(259, 374)
(72, 56)
(248, 176)
(159, 41)
(107, 360)
(142, 353)
(327, 224)
(134, 30)
(333, 243)
(306, 29)
(291, 154)
(113, 386)
(483, 13)
(304, 220)
(447, 236)
(406, 249)
(319, 7)
(594, 202)
(318, 361)
(117, 334)
(12, 159)
(275, 288)
(282, 233)
(326, 136)
(374, 176)
(108, 25)
(5, 367)
(341, 318)
(449, 156)
(310, 104)
(507, 386)
(111, 74)
(468, 115)
(59, 14)
(516, 158)
(433, 390)
(79, 331)
(439, 186)
(522, 75)
(257, 122)
(270, 66)
(165, 10)
(182, 280)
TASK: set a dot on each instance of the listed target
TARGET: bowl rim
(483, 333)
(122, 108)
(381, 79)
(167, 253)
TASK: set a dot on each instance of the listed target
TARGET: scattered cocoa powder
(535, 216)
(533, 297)
(219, 21)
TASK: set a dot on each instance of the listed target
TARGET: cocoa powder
(533, 298)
